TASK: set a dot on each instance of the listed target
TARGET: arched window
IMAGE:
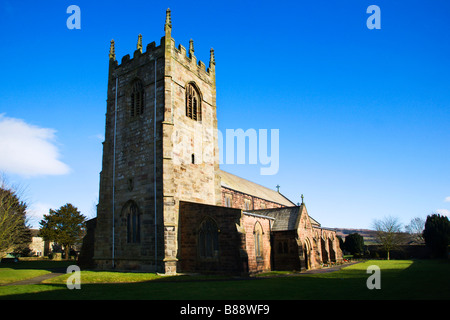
(137, 99)
(208, 239)
(258, 233)
(193, 103)
(133, 218)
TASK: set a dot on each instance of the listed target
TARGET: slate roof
(239, 184)
(285, 218)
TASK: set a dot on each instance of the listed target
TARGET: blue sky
(363, 115)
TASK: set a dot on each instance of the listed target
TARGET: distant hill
(368, 235)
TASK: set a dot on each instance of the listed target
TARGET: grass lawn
(404, 279)
(22, 270)
(8, 275)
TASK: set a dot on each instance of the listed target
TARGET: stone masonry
(164, 204)
(147, 158)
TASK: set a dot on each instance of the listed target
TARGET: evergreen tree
(65, 226)
(14, 232)
(437, 235)
(354, 243)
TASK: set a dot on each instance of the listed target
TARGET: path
(311, 271)
(330, 269)
(38, 279)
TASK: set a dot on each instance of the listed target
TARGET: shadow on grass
(399, 280)
(49, 265)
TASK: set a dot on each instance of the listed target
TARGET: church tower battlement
(160, 148)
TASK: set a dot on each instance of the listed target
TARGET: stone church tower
(160, 148)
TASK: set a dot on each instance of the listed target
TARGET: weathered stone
(160, 179)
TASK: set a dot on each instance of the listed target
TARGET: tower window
(193, 103)
(137, 99)
(193, 159)
(133, 220)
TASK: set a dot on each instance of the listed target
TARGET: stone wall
(231, 258)
(285, 251)
(400, 252)
(238, 200)
(328, 246)
(262, 262)
(236, 240)
(190, 147)
(37, 245)
(132, 153)
(157, 158)
(165, 165)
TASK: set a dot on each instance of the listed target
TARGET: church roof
(236, 183)
(285, 218)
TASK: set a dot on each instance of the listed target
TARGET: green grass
(103, 277)
(22, 270)
(405, 279)
(107, 277)
(9, 275)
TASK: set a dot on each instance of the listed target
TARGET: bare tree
(415, 229)
(388, 233)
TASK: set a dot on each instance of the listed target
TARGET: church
(164, 204)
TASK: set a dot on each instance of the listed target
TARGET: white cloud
(443, 212)
(28, 150)
(447, 199)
